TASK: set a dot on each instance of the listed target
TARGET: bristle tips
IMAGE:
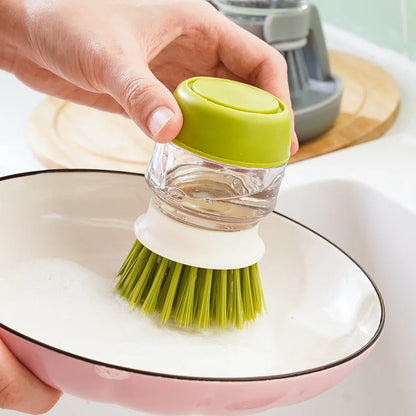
(190, 296)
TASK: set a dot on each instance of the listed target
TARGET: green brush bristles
(190, 296)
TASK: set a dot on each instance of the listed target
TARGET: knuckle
(282, 61)
(278, 59)
(205, 5)
(136, 91)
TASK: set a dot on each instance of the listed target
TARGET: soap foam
(62, 304)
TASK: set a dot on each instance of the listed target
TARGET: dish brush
(195, 260)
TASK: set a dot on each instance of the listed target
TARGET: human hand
(20, 390)
(128, 56)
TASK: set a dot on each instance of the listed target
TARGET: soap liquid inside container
(210, 194)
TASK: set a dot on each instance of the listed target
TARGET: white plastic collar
(196, 246)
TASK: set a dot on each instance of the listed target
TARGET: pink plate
(328, 314)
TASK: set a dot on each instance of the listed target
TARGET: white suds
(64, 305)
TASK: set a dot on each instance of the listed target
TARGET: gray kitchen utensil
(294, 28)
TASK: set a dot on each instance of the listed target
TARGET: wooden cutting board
(67, 135)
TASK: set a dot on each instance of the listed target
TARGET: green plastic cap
(233, 123)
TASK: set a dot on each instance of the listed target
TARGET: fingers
(253, 60)
(258, 63)
(146, 100)
(49, 83)
(20, 390)
(136, 93)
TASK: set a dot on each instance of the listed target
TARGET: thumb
(148, 103)
(20, 390)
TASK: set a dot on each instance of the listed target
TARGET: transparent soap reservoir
(210, 194)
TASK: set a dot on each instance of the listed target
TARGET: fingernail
(158, 119)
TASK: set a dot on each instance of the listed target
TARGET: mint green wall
(388, 23)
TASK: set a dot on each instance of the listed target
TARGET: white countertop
(17, 103)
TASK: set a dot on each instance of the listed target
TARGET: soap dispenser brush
(195, 258)
(294, 28)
